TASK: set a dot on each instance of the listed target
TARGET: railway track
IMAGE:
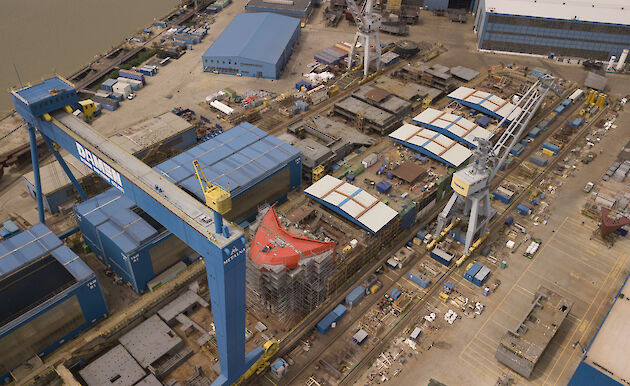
(307, 325)
(498, 221)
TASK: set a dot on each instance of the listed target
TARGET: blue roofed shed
(48, 296)
(254, 44)
(253, 165)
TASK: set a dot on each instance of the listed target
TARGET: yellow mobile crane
(271, 348)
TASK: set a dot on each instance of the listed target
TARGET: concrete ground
(568, 262)
(586, 271)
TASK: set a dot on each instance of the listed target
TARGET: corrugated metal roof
(431, 143)
(354, 203)
(453, 126)
(257, 36)
(237, 159)
(41, 91)
(111, 213)
(34, 243)
(485, 102)
(599, 11)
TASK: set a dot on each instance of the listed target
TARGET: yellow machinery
(601, 100)
(472, 249)
(271, 348)
(318, 173)
(217, 198)
(88, 108)
(443, 297)
(443, 234)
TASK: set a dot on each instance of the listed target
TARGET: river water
(43, 37)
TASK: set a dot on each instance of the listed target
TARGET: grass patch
(139, 58)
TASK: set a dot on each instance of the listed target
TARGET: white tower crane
(471, 197)
(367, 23)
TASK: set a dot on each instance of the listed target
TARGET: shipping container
(383, 186)
(533, 133)
(577, 122)
(135, 84)
(576, 95)
(517, 150)
(504, 195)
(108, 84)
(131, 75)
(324, 325)
(538, 159)
(548, 152)
(370, 160)
(481, 276)
(419, 278)
(355, 296)
(395, 293)
(472, 270)
(441, 256)
(523, 209)
(554, 148)
(122, 88)
(415, 333)
(339, 311)
(560, 109)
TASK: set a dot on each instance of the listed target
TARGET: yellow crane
(271, 348)
(217, 198)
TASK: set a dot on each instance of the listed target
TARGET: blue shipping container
(131, 75)
(517, 150)
(523, 209)
(108, 84)
(441, 256)
(395, 294)
(550, 146)
(481, 276)
(339, 311)
(420, 279)
(533, 133)
(355, 296)
(383, 186)
(324, 325)
(472, 271)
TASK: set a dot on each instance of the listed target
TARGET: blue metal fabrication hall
(254, 44)
(48, 295)
(254, 165)
(221, 244)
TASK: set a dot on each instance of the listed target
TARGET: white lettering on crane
(100, 167)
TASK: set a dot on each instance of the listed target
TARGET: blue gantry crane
(44, 108)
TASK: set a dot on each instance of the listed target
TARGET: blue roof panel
(42, 90)
(262, 37)
(258, 156)
(37, 242)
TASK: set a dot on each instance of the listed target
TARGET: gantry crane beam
(42, 107)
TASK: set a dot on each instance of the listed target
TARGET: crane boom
(471, 186)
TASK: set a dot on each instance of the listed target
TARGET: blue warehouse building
(255, 166)
(48, 295)
(596, 29)
(254, 44)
